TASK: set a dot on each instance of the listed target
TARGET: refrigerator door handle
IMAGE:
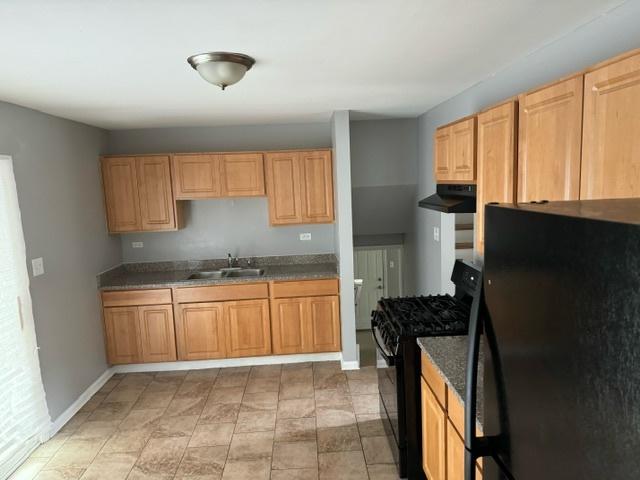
(471, 382)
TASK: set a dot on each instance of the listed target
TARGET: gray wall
(384, 177)
(56, 167)
(343, 242)
(215, 227)
(604, 37)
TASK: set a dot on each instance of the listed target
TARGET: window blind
(24, 418)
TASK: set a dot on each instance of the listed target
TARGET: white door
(369, 266)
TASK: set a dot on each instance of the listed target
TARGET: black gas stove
(396, 323)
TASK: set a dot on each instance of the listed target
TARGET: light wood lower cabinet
(139, 334)
(223, 329)
(122, 331)
(158, 340)
(442, 421)
(200, 331)
(248, 328)
(305, 324)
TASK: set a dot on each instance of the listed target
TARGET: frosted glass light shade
(221, 68)
(222, 74)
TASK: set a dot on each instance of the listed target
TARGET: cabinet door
(434, 425)
(550, 132)
(242, 175)
(455, 455)
(288, 325)
(496, 161)
(248, 328)
(122, 334)
(196, 176)
(157, 336)
(442, 154)
(463, 158)
(323, 323)
(283, 188)
(121, 194)
(200, 332)
(157, 207)
(316, 187)
(611, 138)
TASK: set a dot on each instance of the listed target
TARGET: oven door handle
(389, 359)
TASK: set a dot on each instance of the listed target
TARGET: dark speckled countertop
(175, 274)
(449, 355)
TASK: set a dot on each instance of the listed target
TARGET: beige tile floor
(284, 422)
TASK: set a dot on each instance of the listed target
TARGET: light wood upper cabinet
(122, 331)
(120, 185)
(316, 186)
(324, 324)
(157, 207)
(611, 138)
(496, 161)
(138, 194)
(248, 328)
(197, 176)
(434, 425)
(283, 187)
(299, 187)
(289, 325)
(549, 142)
(243, 175)
(200, 331)
(157, 336)
(455, 152)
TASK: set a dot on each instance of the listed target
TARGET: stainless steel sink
(245, 272)
(205, 275)
(227, 273)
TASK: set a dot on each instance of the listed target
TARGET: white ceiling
(122, 63)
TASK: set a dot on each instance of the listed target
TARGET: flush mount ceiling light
(221, 68)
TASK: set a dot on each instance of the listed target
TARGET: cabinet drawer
(455, 410)
(217, 293)
(123, 298)
(434, 380)
(304, 288)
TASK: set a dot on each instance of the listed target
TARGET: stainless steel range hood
(451, 198)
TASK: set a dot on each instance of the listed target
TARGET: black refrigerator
(560, 329)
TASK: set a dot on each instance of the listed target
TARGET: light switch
(392, 264)
(37, 266)
(305, 236)
(137, 244)
(436, 234)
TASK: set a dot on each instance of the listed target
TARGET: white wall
(215, 227)
(605, 37)
(344, 232)
(58, 181)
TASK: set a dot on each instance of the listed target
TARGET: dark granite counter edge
(219, 281)
(456, 388)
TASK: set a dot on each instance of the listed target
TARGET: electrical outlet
(305, 236)
(436, 234)
(137, 244)
(392, 264)
(37, 265)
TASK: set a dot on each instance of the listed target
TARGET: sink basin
(245, 272)
(205, 275)
(227, 273)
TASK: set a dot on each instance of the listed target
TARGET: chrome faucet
(231, 260)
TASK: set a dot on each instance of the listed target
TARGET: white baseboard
(352, 364)
(226, 362)
(59, 422)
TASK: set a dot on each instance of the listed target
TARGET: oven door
(391, 393)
